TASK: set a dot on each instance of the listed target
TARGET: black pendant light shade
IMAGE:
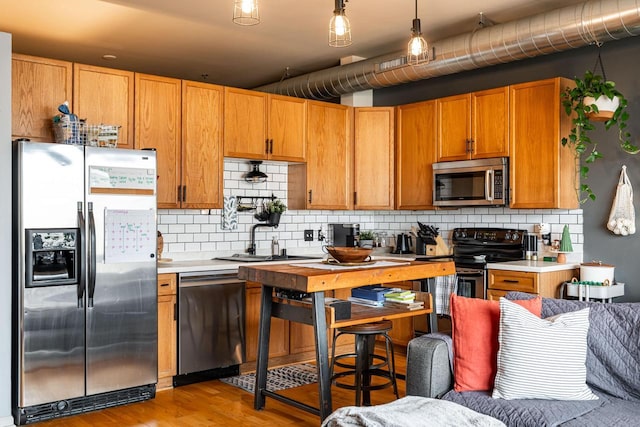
(256, 175)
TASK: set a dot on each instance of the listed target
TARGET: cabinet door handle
(184, 193)
(472, 146)
(271, 146)
(175, 311)
(179, 193)
(511, 281)
(164, 284)
(266, 146)
(355, 197)
(310, 195)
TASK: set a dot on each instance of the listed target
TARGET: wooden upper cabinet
(202, 152)
(158, 126)
(245, 123)
(38, 87)
(474, 125)
(415, 154)
(287, 128)
(262, 126)
(454, 127)
(373, 166)
(490, 123)
(329, 156)
(105, 96)
(544, 174)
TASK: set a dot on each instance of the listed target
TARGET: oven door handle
(488, 185)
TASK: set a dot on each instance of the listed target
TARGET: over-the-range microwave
(481, 182)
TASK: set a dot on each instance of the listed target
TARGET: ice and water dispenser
(52, 257)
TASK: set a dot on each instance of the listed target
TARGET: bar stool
(367, 364)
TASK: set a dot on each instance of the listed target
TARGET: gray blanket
(524, 412)
(410, 411)
(613, 355)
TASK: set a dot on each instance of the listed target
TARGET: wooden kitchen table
(315, 282)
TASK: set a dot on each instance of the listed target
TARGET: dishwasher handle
(226, 278)
(230, 281)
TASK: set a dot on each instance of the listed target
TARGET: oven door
(471, 283)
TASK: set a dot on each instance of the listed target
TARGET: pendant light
(339, 27)
(418, 49)
(245, 12)
(256, 176)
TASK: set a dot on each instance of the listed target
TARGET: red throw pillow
(475, 324)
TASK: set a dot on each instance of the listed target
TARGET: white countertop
(532, 266)
(185, 266)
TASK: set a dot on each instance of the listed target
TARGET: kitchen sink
(263, 258)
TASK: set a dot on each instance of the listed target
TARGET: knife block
(441, 247)
(430, 250)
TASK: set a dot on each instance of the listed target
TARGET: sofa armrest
(429, 366)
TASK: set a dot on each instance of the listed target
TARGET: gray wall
(5, 229)
(620, 62)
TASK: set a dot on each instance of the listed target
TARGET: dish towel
(229, 213)
(445, 286)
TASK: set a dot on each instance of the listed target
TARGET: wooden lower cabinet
(279, 337)
(167, 330)
(546, 284)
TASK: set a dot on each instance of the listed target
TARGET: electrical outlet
(308, 235)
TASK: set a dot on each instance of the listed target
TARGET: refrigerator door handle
(83, 278)
(92, 254)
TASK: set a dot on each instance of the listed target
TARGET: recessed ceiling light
(109, 57)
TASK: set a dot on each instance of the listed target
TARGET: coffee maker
(344, 234)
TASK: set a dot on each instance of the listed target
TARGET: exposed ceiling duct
(566, 28)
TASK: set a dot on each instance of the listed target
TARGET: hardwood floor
(214, 403)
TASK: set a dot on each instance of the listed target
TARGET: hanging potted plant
(587, 103)
(274, 209)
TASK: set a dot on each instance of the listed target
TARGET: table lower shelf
(359, 313)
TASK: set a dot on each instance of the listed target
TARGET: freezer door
(48, 321)
(122, 282)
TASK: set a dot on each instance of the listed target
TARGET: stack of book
(371, 295)
(403, 299)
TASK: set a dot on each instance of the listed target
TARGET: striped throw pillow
(542, 358)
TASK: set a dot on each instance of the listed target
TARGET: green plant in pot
(579, 102)
(366, 238)
(274, 209)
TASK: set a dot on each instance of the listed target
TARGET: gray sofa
(613, 372)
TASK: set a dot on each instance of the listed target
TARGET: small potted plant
(366, 238)
(275, 208)
(583, 102)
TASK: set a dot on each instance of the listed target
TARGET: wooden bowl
(349, 254)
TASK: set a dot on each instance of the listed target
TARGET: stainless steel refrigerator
(84, 280)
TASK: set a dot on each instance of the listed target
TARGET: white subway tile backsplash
(196, 234)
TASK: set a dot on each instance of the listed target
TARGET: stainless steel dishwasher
(211, 323)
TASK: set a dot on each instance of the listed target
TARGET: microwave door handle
(488, 185)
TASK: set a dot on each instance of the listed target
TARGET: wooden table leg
(322, 354)
(263, 346)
